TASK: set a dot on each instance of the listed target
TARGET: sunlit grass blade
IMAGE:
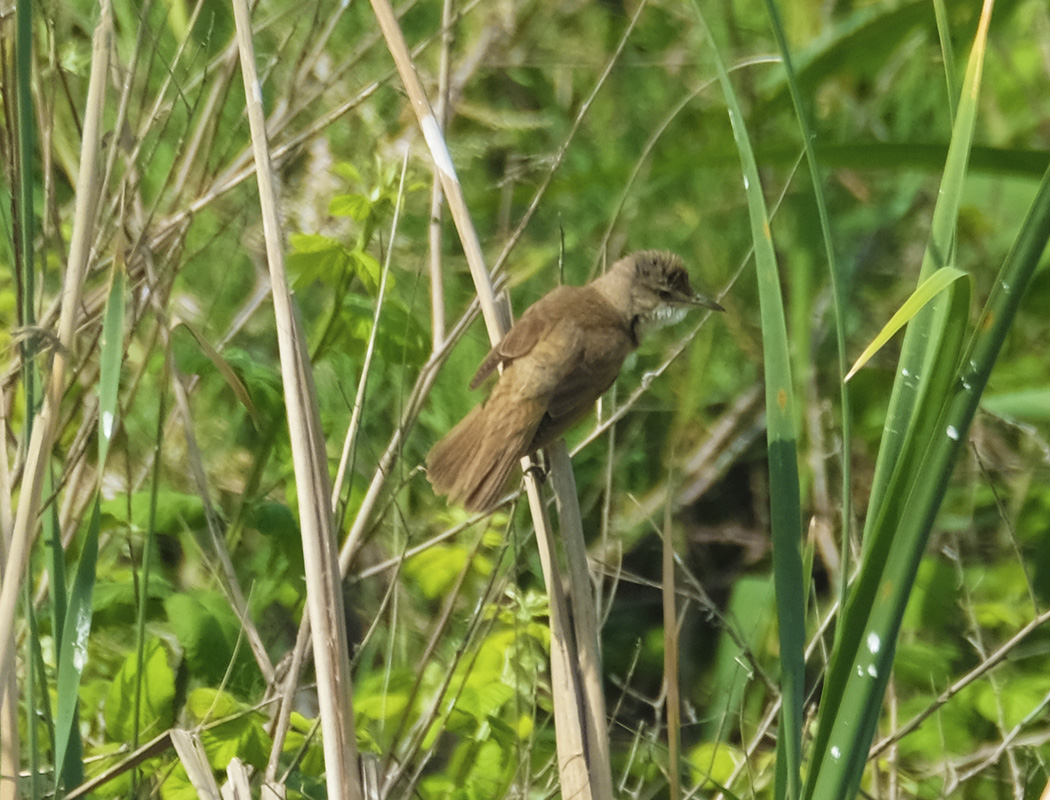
(873, 617)
(947, 53)
(894, 451)
(923, 294)
(916, 349)
(785, 503)
(946, 399)
(863, 656)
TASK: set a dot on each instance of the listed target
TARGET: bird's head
(652, 289)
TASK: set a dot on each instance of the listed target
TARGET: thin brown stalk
(153, 748)
(442, 704)
(650, 144)
(230, 583)
(762, 730)
(534, 204)
(670, 614)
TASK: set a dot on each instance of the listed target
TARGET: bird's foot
(538, 470)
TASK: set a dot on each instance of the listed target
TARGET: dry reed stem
(587, 634)
(282, 719)
(324, 598)
(437, 198)
(238, 777)
(9, 740)
(571, 709)
(194, 760)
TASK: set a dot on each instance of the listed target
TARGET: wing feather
(538, 318)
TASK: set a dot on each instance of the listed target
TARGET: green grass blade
(56, 561)
(838, 292)
(915, 350)
(785, 503)
(1003, 302)
(898, 157)
(923, 294)
(863, 655)
(872, 619)
(26, 171)
(111, 358)
(1030, 405)
(944, 34)
(860, 662)
(72, 656)
(52, 533)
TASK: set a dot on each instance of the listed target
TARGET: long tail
(473, 462)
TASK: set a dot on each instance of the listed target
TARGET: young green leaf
(923, 294)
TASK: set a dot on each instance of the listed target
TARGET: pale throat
(664, 315)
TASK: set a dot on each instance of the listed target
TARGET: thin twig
(989, 663)
(350, 439)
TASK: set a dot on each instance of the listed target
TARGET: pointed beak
(704, 302)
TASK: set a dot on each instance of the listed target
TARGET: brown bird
(564, 351)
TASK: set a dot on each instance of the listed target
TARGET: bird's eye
(665, 295)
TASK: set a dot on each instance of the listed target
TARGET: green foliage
(210, 635)
(436, 569)
(320, 258)
(156, 682)
(176, 512)
(233, 730)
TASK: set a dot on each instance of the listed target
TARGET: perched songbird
(564, 351)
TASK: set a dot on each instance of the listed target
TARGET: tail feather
(473, 462)
(486, 479)
(448, 459)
